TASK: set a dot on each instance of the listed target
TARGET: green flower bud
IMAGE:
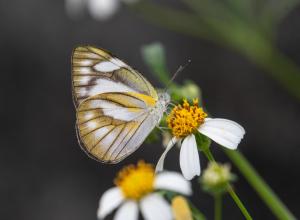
(216, 178)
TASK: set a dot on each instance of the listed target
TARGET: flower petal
(102, 9)
(224, 132)
(110, 200)
(154, 207)
(189, 158)
(129, 211)
(160, 163)
(172, 181)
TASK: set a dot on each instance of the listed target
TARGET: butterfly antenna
(180, 69)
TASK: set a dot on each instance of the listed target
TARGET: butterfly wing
(96, 71)
(111, 126)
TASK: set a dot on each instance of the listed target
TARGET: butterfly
(116, 107)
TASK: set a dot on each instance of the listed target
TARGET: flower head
(98, 9)
(137, 186)
(216, 177)
(136, 181)
(184, 121)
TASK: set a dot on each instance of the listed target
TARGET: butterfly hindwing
(96, 71)
(111, 126)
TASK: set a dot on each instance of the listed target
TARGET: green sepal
(203, 142)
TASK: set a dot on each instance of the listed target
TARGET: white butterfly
(116, 106)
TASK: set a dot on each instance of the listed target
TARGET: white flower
(103, 9)
(98, 9)
(216, 176)
(184, 121)
(136, 188)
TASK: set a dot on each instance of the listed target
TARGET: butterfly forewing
(96, 71)
(114, 105)
(111, 126)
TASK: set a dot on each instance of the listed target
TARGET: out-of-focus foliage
(154, 57)
(248, 27)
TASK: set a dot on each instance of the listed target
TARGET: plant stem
(238, 202)
(230, 190)
(260, 186)
(197, 214)
(218, 206)
(210, 156)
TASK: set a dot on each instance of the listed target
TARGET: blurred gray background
(44, 173)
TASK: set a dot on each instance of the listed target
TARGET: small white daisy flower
(103, 9)
(184, 121)
(98, 9)
(136, 188)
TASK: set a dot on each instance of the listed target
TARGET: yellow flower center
(185, 119)
(136, 181)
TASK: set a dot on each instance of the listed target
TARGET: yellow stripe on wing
(148, 100)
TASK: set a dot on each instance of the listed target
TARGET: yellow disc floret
(185, 119)
(136, 181)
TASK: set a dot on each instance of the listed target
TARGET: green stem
(260, 186)
(218, 206)
(238, 202)
(210, 156)
(197, 214)
(230, 190)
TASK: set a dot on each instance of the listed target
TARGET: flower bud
(216, 177)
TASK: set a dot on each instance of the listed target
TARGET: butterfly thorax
(161, 106)
(164, 99)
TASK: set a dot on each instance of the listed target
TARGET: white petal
(189, 158)
(109, 201)
(129, 211)
(172, 181)
(154, 207)
(102, 9)
(225, 132)
(160, 163)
